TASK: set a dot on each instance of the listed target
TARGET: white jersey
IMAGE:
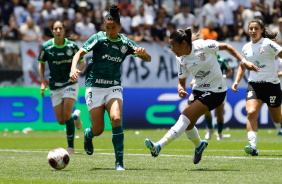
(262, 54)
(202, 64)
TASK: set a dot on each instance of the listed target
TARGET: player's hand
(234, 88)
(250, 66)
(182, 93)
(74, 75)
(141, 52)
(43, 87)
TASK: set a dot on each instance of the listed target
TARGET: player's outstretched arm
(232, 51)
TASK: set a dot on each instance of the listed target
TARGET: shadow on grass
(128, 169)
(208, 169)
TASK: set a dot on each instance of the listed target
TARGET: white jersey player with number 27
(202, 64)
(262, 54)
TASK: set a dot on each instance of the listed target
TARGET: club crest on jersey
(202, 56)
(261, 50)
(69, 52)
(123, 49)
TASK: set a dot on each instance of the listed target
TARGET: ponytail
(266, 33)
(113, 14)
(181, 35)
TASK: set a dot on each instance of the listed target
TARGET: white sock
(175, 131)
(252, 136)
(193, 135)
(278, 126)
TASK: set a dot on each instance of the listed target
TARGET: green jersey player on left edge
(103, 84)
(58, 52)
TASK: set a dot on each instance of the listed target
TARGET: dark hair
(113, 14)
(52, 25)
(181, 35)
(265, 33)
(68, 36)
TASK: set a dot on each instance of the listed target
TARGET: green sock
(117, 140)
(74, 116)
(219, 127)
(89, 134)
(70, 132)
(209, 123)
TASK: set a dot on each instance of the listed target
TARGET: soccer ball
(58, 158)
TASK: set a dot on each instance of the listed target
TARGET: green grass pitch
(23, 159)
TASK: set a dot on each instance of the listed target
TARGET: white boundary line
(161, 155)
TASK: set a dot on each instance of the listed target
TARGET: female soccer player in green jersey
(103, 84)
(58, 52)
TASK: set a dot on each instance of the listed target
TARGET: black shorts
(267, 92)
(211, 99)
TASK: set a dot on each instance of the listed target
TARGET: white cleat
(119, 167)
(70, 150)
(77, 122)
(219, 136)
(209, 134)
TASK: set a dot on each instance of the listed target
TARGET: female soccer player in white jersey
(209, 91)
(58, 52)
(264, 86)
(103, 84)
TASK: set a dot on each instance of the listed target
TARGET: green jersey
(59, 59)
(223, 63)
(104, 68)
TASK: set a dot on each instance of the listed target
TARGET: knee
(252, 114)
(97, 131)
(116, 121)
(61, 122)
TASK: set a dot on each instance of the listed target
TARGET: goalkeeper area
(23, 159)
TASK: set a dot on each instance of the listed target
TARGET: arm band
(243, 61)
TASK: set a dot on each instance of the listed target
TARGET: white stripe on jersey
(202, 64)
(262, 54)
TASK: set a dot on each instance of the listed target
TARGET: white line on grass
(162, 155)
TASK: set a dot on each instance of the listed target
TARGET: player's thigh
(59, 113)
(114, 109)
(194, 111)
(97, 119)
(68, 107)
(253, 106)
(275, 113)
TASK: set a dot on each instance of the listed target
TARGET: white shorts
(96, 97)
(57, 95)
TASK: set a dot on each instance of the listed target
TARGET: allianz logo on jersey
(103, 81)
(115, 59)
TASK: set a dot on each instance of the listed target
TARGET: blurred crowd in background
(142, 20)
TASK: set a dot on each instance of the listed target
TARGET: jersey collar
(65, 43)
(114, 40)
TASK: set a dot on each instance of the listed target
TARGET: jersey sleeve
(131, 47)
(91, 43)
(42, 55)
(211, 46)
(274, 47)
(182, 72)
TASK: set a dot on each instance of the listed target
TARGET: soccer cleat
(209, 134)
(88, 145)
(77, 122)
(119, 166)
(70, 150)
(199, 151)
(279, 134)
(219, 136)
(251, 149)
(155, 148)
